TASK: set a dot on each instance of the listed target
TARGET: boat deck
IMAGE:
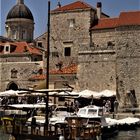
(73, 129)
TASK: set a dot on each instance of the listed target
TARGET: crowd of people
(108, 105)
(4, 101)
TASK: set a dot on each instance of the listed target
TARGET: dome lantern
(20, 1)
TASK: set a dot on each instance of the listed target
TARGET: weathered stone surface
(62, 35)
(100, 69)
(25, 71)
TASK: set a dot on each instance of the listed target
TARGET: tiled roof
(74, 6)
(66, 70)
(106, 23)
(20, 47)
(125, 18)
(38, 77)
(72, 69)
(129, 18)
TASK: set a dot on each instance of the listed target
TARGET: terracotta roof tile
(73, 6)
(21, 47)
(72, 69)
(38, 77)
(129, 18)
(104, 23)
(125, 18)
(67, 70)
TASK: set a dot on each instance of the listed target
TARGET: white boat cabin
(90, 111)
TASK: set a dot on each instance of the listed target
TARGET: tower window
(23, 34)
(67, 51)
(71, 22)
(14, 34)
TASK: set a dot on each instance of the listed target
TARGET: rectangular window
(7, 49)
(55, 54)
(61, 99)
(67, 51)
(71, 22)
(39, 44)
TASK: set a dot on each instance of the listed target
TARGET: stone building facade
(19, 59)
(69, 30)
(18, 62)
(41, 41)
(113, 60)
(105, 49)
(128, 59)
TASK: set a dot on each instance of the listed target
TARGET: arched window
(14, 34)
(23, 35)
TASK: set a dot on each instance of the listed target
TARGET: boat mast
(47, 71)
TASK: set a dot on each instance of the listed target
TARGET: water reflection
(122, 135)
(3, 136)
(127, 135)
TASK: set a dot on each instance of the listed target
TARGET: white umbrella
(107, 93)
(39, 105)
(9, 93)
(67, 93)
(88, 94)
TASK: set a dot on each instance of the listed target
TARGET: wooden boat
(95, 113)
(74, 128)
(62, 123)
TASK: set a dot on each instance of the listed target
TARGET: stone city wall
(128, 61)
(25, 71)
(96, 70)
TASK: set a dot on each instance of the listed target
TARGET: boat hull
(109, 131)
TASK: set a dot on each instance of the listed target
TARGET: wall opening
(12, 86)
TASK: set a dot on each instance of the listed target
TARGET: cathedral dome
(20, 11)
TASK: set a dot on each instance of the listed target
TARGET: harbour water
(3, 136)
(122, 135)
(127, 135)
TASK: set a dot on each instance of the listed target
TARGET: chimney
(58, 4)
(99, 9)
(20, 1)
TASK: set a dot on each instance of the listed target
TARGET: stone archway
(12, 86)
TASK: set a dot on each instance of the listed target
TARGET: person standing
(116, 105)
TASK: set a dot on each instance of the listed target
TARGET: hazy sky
(39, 10)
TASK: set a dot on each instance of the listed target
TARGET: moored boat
(127, 123)
(95, 113)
